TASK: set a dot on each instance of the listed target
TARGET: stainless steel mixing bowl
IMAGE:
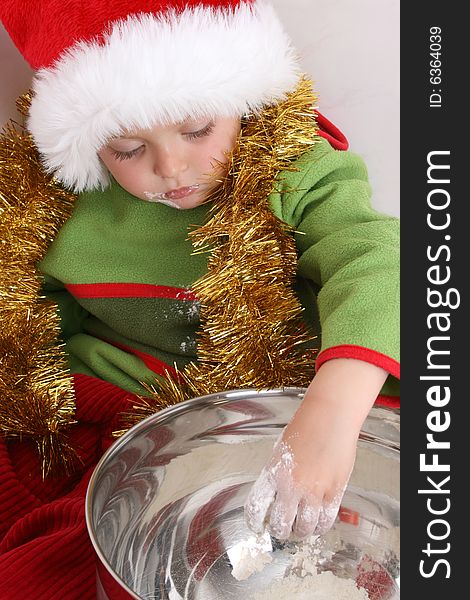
(165, 503)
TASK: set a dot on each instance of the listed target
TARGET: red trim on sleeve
(129, 290)
(360, 353)
(154, 364)
(331, 133)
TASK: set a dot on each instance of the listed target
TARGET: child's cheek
(129, 177)
(218, 150)
(121, 172)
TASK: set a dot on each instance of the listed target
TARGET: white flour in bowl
(250, 556)
(316, 586)
(302, 580)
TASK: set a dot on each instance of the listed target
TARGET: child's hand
(300, 489)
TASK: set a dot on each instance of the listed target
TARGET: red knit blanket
(45, 551)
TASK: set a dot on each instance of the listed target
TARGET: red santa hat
(103, 66)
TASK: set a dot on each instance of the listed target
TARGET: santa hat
(103, 66)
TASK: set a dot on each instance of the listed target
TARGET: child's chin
(190, 202)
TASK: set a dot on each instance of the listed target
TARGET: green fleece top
(121, 271)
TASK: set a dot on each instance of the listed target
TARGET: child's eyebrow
(124, 137)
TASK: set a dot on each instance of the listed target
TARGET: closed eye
(207, 130)
(126, 155)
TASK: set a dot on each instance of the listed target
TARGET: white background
(351, 50)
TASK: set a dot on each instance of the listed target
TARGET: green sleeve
(71, 314)
(348, 249)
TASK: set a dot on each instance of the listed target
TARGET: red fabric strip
(154, 364)
(331, 133)
(360, 353)
(129, 290)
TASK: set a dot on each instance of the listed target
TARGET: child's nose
(168, 164)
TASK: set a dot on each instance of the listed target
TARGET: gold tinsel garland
(36, 392)
(251, 333)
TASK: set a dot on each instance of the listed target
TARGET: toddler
(138, 107)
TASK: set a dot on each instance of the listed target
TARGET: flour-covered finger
(328, 513)
(282, 515)
(259, 501)
(307, 518)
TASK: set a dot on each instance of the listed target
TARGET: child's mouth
(177, 194)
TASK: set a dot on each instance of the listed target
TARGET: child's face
(173, 164)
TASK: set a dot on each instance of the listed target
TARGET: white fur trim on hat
(202, 62)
